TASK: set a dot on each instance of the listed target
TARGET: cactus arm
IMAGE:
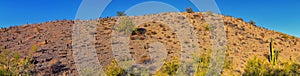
(276, 55)
(271, 52)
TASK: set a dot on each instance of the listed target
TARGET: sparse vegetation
(258, 67)
(204, 61)
(244, 40)
(286, 36)
(11, 64)
(227, 64)
(169, 68)
(189, 10)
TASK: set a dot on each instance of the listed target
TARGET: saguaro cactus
(273, 56)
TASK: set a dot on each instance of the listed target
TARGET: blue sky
(279, 15)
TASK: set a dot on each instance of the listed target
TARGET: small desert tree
(119, 13)
(189, 10)
(252, 22)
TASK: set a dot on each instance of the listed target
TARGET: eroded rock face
(54, 41)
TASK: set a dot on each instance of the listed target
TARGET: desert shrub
(126, 25)
(114, 70)
(252, 22)
(12, 64)
(159, 73)
(34, 48)
(4, 72)
(209, 13)
(289, 69)
(286, 36)
(203, 63)
(227, 64)
(169, 68)
(119, 13)
(189, 10)
(240, 19)
(207, 26)
(258, 67)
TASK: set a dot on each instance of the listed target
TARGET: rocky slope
(55, 54)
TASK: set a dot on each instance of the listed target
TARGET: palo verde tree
(119, 13)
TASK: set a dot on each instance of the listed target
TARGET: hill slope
(55, 54)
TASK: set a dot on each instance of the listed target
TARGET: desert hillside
(54, 55)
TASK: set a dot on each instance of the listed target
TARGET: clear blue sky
(279, 15)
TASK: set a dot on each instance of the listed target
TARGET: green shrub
(159, 73)
(256, 67)
(207, 26)
(34, 48)
(290, 69)
(204, 62)
(227, 64)
(169, 68)
(4, 72)
(114, 70)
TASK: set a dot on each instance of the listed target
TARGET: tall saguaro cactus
(273, 56)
